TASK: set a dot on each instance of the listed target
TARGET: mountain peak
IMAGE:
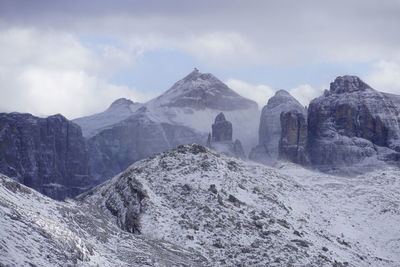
(220, 117)
(281, 97)
(348, 84)
(121, 102)
(282, 92)
(203, 90)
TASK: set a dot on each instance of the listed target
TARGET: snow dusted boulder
(270, 129)
(353, 127)
(46, 154)
(293, 142)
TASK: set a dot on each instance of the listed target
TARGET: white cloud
(261, 93)
(222, 49)
(51, 72)
(304, 93)
(385, 77)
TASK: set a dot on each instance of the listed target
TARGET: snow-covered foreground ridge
(223, 211)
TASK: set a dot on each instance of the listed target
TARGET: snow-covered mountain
(119, 110)
(127, 131)
(198, 98)
(38, 231)
(237, 213)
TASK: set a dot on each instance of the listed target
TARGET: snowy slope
(244, 214)
(362, 210)
(38, 231)
(119, 110)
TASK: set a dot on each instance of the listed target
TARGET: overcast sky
(76, 57)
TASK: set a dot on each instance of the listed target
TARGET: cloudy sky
(76, 57)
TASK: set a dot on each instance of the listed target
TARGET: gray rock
(267, 150)
(353, 125)
(221, 129)
(47, 154)
(221, 138)
(238, 149)
(293, 142)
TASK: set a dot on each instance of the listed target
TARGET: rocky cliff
(47, 154)
(267, 150)
(353, 125)
(293, 141)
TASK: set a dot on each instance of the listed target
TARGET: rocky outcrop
(293, 142)
(47, 154)
(353, 125)
(221, 129)
(238, 149)
(221, 138)
(270, 129)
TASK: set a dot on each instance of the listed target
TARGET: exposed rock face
(293, 142)
(351, 123)
(135, 138)
(221, 138)
(270, 129)
(221, 129)
(47, 154)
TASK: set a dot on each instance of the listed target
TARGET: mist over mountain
(198, 176)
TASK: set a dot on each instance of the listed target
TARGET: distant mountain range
(351, 129)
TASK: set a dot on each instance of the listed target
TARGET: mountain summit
(348, 84)
(203, 90)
